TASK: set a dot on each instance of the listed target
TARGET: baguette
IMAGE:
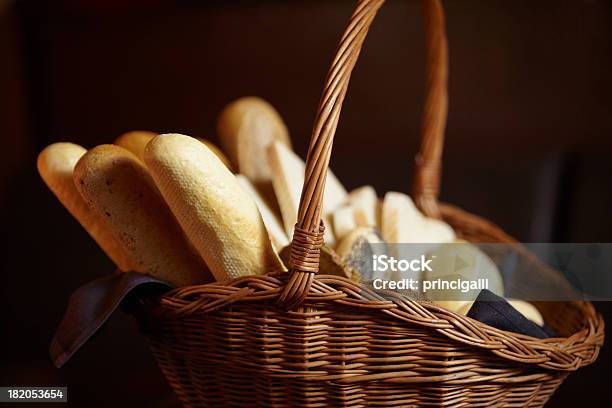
(366, 205)
(270, 219)
(216, 213)
(213, 147)
(55, 166)
(246, 127)
(118, 188)
(135, 141)
(288, 178)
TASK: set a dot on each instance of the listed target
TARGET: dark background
(528, 138)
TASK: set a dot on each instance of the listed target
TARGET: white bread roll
(217, 214)
(288, 178)
(55, 166)
(246, 127)
(117, 186)
(367, 207)
(270, 219)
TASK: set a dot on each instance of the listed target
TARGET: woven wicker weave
(302, 339)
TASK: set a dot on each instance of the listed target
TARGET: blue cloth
(497, 312)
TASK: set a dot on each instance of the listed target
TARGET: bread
(288, 178)
(366, 206)
(118, 188)
(213, 147)
(458, 306)
(55, 165)
(357, 248)
(217, 214)
(246, 127)
(135, 141)
(270, 219)
(343, 219)
(402, 222)
(528, 310)
(461, 260)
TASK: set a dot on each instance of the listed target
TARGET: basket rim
(560, 353)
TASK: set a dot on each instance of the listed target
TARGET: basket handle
(308, 232)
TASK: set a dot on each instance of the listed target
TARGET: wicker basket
(301, 339)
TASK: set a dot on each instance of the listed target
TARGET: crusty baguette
(217, 214)
(56, 165)
(218, 152)
(366, 205)
(135, 141)
(246, 127)
(270, 219)
(117, 186)
(343, 219)
(288, 178)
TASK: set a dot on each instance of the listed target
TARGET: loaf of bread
(217, 214)
(366, 205)
(458, 306)
(135, 141)
(213, 148)
(288, 178)
(246, 127)
(56, 165)
(270, 219)
(118, 188)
